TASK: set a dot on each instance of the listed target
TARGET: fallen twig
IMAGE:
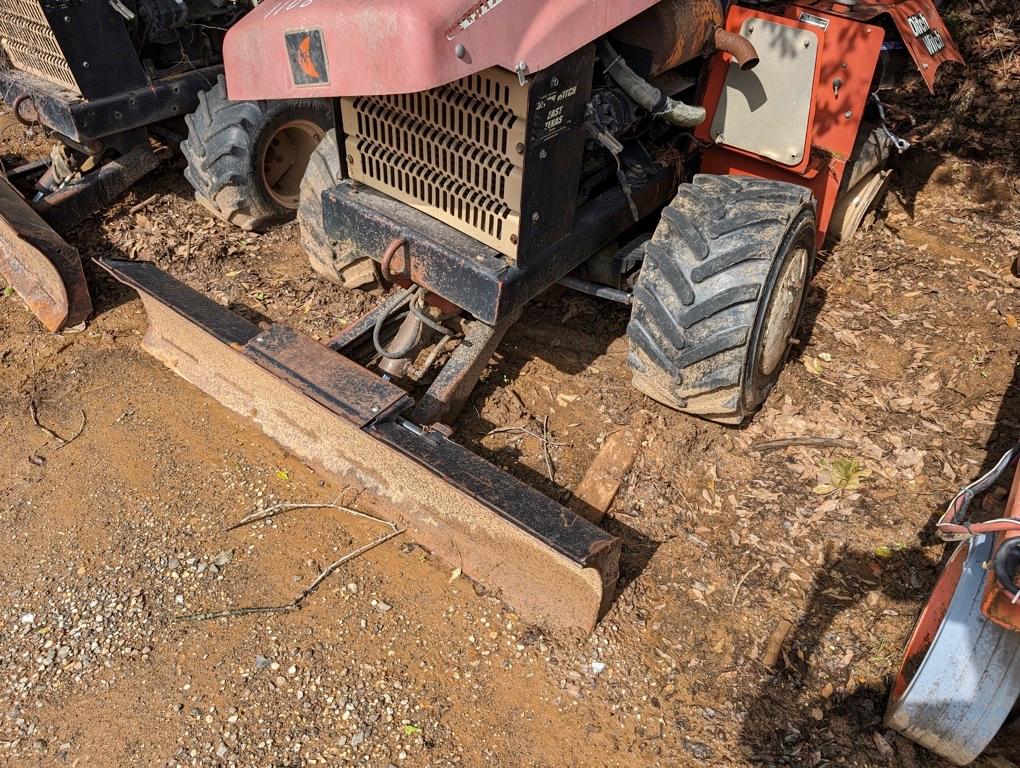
(806, 440)
(545, 450)
(501, 430)
(740, 583)
(144, 204)
(231, 612)
(61, 440)
(273, 511)
(329, 569)
(296, 603)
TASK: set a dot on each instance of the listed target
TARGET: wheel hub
(284, 158)
(784, 308)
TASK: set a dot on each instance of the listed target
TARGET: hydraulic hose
(644, 93)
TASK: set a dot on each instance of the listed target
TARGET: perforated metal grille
(30, 44)
(453, 152)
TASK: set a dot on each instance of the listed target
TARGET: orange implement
(39, 265)
(998, 604)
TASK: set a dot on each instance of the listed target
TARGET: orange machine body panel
(998, 605)
(848, 54)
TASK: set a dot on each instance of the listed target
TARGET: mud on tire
(246, 159)
(334, 261)
(720, 292)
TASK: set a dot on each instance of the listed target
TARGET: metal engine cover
(455, 152)
(478, 154)
(83, 48)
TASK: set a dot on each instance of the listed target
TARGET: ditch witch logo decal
(307, 57)
(923, 31)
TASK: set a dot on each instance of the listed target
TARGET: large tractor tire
(246, 159)
(334, 261)
(720, 295)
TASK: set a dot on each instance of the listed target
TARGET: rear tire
(720, 293)
(246, 159)
(334, 261)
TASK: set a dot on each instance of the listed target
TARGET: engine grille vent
(30, 44)
(452, 152)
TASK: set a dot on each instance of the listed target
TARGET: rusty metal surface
(412, 38)
(571, 535)
(465, 272)
(329, 378)
(737, 46)
(74, 203)
(37, 263)
(674, 31)
(548, 563)
(149, 279)
(451, 388)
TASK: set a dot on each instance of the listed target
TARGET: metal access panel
(493, 157)
(82, 47)
(767, 110)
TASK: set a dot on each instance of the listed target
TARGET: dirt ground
(910, 353)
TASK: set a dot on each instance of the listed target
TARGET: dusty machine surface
(960, 676)
(678, 157)
(105, 78)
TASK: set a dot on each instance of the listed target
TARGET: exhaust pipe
(738, 46)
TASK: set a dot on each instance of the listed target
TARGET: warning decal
(307, 56)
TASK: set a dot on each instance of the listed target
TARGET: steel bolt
(534, 216)
(807, 43)
(543, 154)
(460, 51)
(848, 114)
(520, 149)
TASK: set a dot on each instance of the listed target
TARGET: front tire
(335, 261)
(246, 159)
(720, 295)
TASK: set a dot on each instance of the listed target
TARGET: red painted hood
(370, 47)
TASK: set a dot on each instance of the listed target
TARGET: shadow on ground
(783, 727)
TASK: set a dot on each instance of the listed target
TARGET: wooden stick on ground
(774, 647)
(61, 441)
(328, 571)
(807, 440)
(144, 204)
(597, 490)
(545, 450)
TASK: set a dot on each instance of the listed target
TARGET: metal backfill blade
(550, 564)
(37, 263)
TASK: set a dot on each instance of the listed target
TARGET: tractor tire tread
(220, 153)
(337, 262)
(699, 289)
